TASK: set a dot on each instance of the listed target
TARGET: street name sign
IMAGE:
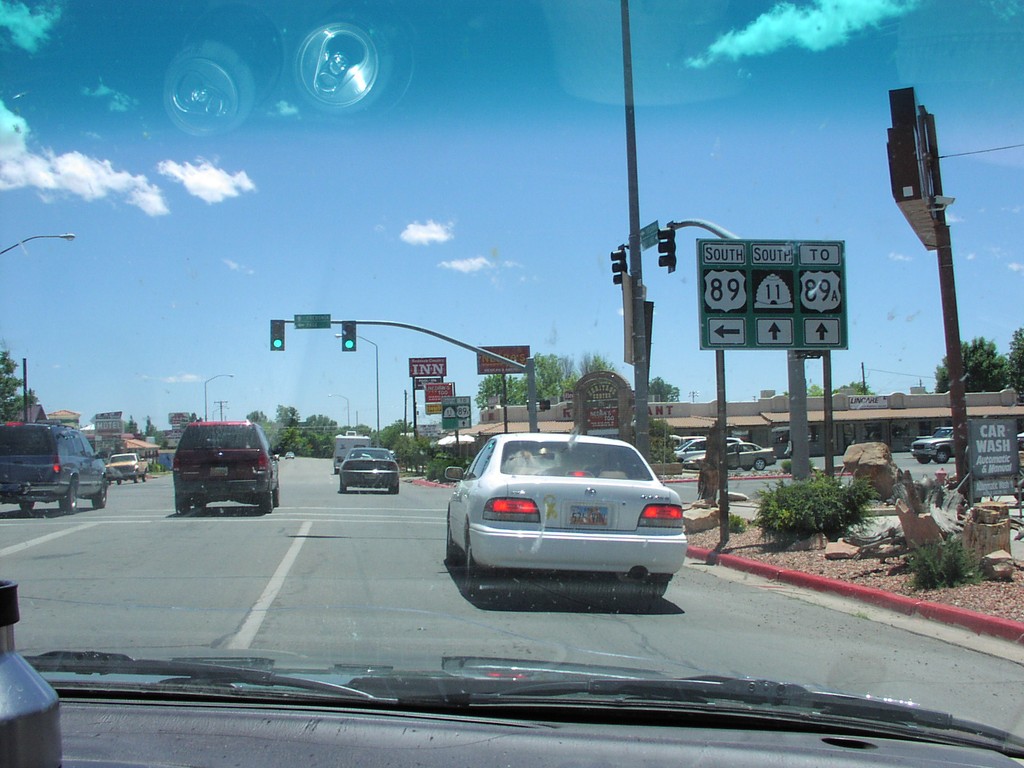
(312, 321)
(772, 294)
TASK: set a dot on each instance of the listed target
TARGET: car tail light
(262, 461)
(55, 461)
(662, 516)
(512, 510)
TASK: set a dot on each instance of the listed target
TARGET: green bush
(821, 504)
(437, 465)
(946, 564)
(737, 524)
(787, 466)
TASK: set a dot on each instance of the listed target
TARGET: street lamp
(65, 236)
(348, 411)
(376, 368)
(206, 416)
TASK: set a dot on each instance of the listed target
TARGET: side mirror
(454, 473)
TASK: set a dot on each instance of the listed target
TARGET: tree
(132, 428)
(287, 416)
(1015, 362)
(491, 386)
(985, 370)
(592, 361)
(257, 417)
(855, 386)
(12, 407)
(660, 391)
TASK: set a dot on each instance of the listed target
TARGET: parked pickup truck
(937, 448)
(126, 466)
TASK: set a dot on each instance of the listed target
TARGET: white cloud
(234, 266)
(899, 257)
(821, 25)
(72, 172)
(27, 28)
(466, 266)
(206, 181)
(1016, 266)
(425, 234)
(285, 109)
(119, 102)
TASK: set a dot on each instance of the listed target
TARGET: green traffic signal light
(348, 336)
(277, 335)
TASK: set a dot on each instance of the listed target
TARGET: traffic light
(619, 265)
(348, 336)
(667, 249)
(277, 335)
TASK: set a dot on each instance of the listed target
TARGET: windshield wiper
(235, 675)
(752, 698)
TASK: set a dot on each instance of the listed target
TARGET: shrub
(787, 466)
(820, 504)
(945, 564)
(437, 465)
(737, 524)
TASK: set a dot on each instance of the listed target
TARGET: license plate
(588, 515)
(218, 471)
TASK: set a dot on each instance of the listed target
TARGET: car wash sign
(995, 461)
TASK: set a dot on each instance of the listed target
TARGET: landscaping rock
(874, 462)
(919, 530)
(700, 518)
(841, 550)
(998, 566)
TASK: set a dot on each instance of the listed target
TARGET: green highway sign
(312, 321)
(649, 235)
(456, 413)
(772, 294)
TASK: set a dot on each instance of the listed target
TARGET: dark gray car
(49, 462)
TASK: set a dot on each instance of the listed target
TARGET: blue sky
(488, 214)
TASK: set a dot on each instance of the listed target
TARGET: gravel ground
(1003, 599)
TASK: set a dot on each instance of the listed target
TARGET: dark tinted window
(21, 441)
(220, 437)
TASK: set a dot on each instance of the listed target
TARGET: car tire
(275, 497)
(69, 501)
(941, 455)
(143, 478)
(26, 506)
(342, 488)
(119, 481)
(453, 554)
(922, 459)
(266, 503)
(99, 500)
(759, 464)
(393, 490)
(471, 572)
(182, 504)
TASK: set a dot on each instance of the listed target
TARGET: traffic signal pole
(641, 363)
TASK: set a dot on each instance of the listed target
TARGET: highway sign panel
(772, 294)
(312, 321)
(456, 413)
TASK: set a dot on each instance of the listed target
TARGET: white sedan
(550, 502)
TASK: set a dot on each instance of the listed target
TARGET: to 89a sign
(820, 291)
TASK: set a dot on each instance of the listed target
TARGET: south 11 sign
(772, 294)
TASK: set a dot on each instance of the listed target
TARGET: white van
(344, 443)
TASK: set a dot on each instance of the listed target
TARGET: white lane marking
(43, 539)
(243, 639)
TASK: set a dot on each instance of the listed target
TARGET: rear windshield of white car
(573, 459)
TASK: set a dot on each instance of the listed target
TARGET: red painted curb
(978, 623)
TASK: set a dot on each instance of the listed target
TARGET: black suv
(225, 461)
(49, 462)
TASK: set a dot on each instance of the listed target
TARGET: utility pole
(641, 364)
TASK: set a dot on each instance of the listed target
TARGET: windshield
(398, 223)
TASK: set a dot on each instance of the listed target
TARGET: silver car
(549, 502)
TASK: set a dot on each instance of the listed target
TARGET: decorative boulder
(874, 462)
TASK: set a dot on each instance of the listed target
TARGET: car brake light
(263, 461)
(512, 510)
(56, 465)
(662, 516)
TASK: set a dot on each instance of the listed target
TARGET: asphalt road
(359, 578)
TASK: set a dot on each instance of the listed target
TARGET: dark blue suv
(49, 462)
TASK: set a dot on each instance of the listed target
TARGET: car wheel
(182, 504)
(759, 464)
(119, 481)
(275, 498)
(470, 569)
(143, 478)
(99, 501)
(453, 553)
(26, 506)
(942, 456)
(922, 459)
(69, 501)
(394, 489)
(342, 488)
(266, 504)
(135, 479)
